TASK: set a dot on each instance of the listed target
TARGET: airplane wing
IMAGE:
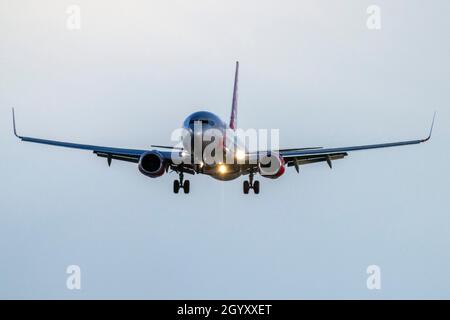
(301, 157)
(130, 155)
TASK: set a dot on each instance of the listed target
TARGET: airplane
(155, 162)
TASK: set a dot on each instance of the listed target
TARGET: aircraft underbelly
(231, 174)
(226, 177)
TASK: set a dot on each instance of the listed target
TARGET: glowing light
(240, 154)
(222, 168)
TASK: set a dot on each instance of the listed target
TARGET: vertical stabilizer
(233, 117)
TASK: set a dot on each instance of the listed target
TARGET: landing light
(240, 155)
(222, 168)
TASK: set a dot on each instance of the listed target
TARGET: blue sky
(312, 69)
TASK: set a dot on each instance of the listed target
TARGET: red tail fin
(233, 117)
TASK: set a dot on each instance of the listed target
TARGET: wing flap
(302, 160)
(121, 157)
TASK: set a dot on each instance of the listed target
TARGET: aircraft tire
(256, 187)
(246, 187)
(176, 186)
(186, 186)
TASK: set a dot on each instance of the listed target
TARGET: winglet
(14, 124)
(431, 129)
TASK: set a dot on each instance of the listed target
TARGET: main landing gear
(177, 184)
(251, 185)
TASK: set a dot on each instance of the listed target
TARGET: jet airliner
(155, 162)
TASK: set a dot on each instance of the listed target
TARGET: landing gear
(256, 187)
(186, 186)
(247, 185)
(177, 184)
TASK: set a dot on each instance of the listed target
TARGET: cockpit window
(203, 122)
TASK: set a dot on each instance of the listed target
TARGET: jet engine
(152, 164)
(271, 165)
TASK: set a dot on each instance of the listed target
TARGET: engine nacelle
(271, 166)
(152, 164)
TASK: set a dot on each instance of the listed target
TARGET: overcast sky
(312, 69)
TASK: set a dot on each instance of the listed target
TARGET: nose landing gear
(184, 184)
(251, 185)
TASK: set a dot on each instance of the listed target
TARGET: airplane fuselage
(202, 129)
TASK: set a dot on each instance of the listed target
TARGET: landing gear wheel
(246, 186)
(256, 187)
(176, 186)
(186, 186)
